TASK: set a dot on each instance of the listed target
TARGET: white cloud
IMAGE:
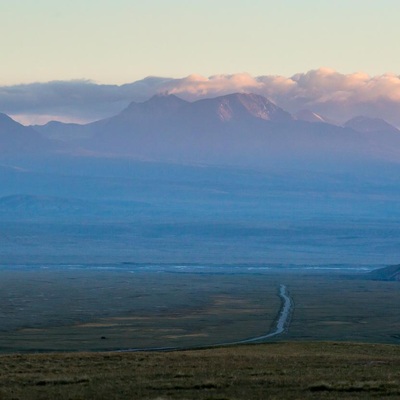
(197, 86)
(324, 90)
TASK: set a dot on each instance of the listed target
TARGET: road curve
(282, 325)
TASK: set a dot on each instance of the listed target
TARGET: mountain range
(229, 179)
(16, 139)
(236, 129)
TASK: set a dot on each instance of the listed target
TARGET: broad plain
(124, 306)
(62, 329)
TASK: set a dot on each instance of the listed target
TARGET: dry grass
(69, 310)
(89, 310)
(269, 371)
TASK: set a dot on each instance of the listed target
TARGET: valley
(106, 307)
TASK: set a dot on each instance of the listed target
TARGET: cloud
(337, 96)
(341, 97)
(74, 101)
(326, 91)
(197, 86)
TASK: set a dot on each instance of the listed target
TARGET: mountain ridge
(390, 273)
(365, 124)
(238, 128)
(233, 129)
(17, 138)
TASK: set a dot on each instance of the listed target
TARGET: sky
(71, 60)
(119, 41)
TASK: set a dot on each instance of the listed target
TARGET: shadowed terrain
(123, 306)
(323, 370)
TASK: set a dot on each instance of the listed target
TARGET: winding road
(282, 325)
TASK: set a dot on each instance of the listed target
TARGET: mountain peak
(164, 97)
(370, 125)
(245, 105)
(5, 119)
(17, 138)
(158, 105)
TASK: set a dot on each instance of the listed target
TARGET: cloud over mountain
(72, 101)
(337, 96)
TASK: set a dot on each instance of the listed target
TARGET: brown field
(324, 370)
(94, 310)
(81, 310)
(45, 310)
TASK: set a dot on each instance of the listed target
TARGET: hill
(391, 273)
(367, 125)
(18, 139)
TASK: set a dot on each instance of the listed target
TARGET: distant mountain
(239, 107)
(237, 129)
(157, 107)
(370, 125)
(16, 138)
(170, 109)
(63, 131)
(391, 273)
(168, 128)
(139, 115)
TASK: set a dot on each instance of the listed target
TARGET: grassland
(101, 310)
(267, 371)
(342, 308)
(70, 311)
(48, 310)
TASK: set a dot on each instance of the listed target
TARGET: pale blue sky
(116, 41)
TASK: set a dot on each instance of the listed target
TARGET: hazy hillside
(391, 273)
(239, 129)
(17, 139)
(228, 179)
(370, 125)
(236, 129)
(55, 130)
